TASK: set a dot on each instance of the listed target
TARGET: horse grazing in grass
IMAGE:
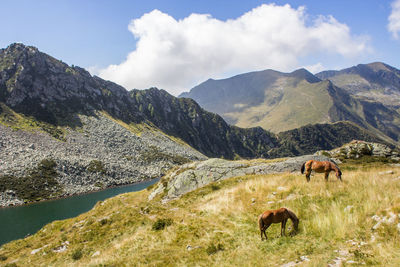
(277, 216)
(321, 166)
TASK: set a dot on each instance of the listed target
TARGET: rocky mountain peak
(19, 57)
(377, 66)
(38, 85)
(19, 48)
(304, 74)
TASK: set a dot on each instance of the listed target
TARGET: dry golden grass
(218, 222)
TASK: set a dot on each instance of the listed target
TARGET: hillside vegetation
(355, 221)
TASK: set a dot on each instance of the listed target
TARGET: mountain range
(37, 85)
(82, 133)
(368, 95)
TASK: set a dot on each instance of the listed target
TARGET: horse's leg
(265, 229)
(338, 176)
(326, 175)
(308, 173)
(262, 230)
(283, 226)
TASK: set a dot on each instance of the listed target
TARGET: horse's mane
(292, 216)
(336, 167)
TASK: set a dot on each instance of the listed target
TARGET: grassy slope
(302, 103)
(121, 228)
(18, 121)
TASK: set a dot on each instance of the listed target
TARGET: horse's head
(335, 168)
(294, 219)
(296, 224)
(339, 174)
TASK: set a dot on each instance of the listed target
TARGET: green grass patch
(96, 166)
(212, 249)
(77, 254)
(18, 121)
(154, 154)
(160, 224)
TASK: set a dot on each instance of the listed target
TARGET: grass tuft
(77, 254)
(212, 249)
(160, 224)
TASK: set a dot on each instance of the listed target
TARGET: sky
(177, 44)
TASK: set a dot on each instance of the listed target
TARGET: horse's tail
(303, 167)
(294, 218)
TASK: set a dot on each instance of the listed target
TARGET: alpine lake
(21, 221)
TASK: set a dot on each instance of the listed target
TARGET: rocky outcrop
(194, 175)
(357, 149)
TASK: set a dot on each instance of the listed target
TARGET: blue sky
(95, 35)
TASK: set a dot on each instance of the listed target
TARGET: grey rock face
(122, 153)
(198, 174)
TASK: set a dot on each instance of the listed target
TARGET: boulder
(194, 175)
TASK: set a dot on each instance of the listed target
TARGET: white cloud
(315, 68)
(177, 54)
(394, 19)
(93, 70)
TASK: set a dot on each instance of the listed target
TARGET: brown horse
(320, 166)
(276, 216)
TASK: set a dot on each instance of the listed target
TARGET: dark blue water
(17, 222)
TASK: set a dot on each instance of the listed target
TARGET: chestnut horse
(320, 166)
(276, 216)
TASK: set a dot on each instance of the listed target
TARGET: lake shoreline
(73, 195)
